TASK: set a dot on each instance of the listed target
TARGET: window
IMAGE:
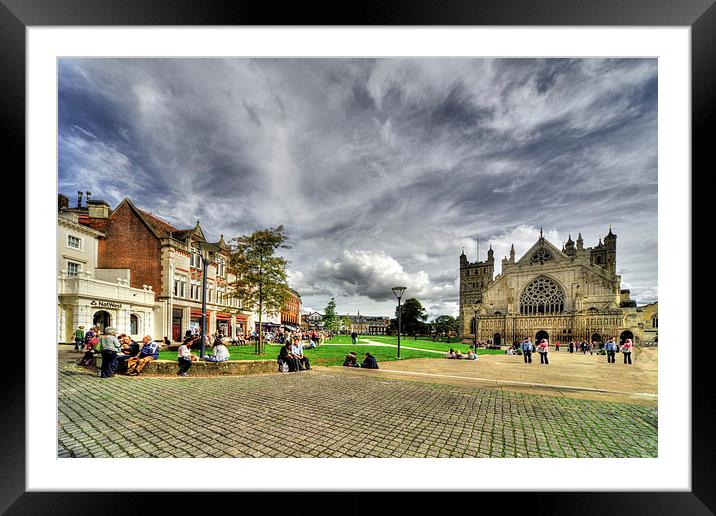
(542, 296)
(541, 256)
(73, 268)
(133, 324)
(74, 242)
(655, 321)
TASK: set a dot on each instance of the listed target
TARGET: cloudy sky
(381, 170)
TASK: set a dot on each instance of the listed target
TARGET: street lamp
(474, 337)
(207, 252)
(398, 291)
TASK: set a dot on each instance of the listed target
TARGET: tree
(446, 324)
(413, 317)
(346, 322)
(330, 319)
(261, 283)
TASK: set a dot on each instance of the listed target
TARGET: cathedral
(562, 295)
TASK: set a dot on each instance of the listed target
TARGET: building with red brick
(167, 259)
(291, 312)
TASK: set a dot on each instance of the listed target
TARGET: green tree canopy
(261, 284)
(445, 324)
(330, 319)
(346, 321)
(413, 317)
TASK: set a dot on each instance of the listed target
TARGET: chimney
(98, 209)
(79, 199)
(87, 194)
(63, 202)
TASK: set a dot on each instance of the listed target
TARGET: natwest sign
(105, 304)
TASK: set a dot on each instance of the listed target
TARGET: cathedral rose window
(541, 256)
(542, 296)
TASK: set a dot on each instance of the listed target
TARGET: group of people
(220, 353)
(369, 361)
(120, 354)
(542, 348)
(528, 348)
(453, 354)
(290, 356)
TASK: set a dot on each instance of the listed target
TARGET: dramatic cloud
(382, 170)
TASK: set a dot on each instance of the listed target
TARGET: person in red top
(626, 350)
(543, 349)
(556, 346)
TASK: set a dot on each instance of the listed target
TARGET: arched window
(540, 256)
(133, 324)
(655, 321)
(542, 296)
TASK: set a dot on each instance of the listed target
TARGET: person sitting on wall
(149, 352)
(471, 355)
(297, 351)
(220, 353)
(128, 349)
(89, 349)
(370, 362)
(351, 360)
(184, 356)
(451, 354)
(286, 357)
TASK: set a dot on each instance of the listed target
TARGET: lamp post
(398, 291)
(474, 336)
(207, 252)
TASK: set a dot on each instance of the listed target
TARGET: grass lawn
(322, 355)
(410, 342)
(341, 345)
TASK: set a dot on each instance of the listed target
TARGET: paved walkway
(336, 413)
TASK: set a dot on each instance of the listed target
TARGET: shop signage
(105, 304)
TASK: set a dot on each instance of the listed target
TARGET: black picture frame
(700, 15)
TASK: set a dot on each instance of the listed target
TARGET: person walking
(611, 348)
(627, 348)
(527, 349)
(556, 346)
(79, 337)
(571, 346)
(109, 347)
(354, 337)
(543, 349)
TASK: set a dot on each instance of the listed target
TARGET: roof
(160, 226)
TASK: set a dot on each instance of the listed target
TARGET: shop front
(223, 324)
(88, 302)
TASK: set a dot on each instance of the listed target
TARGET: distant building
(368, 324)
(291, 313)
(312, 321)
(562, 295)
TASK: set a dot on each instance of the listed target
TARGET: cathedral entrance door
(541, 335)
(497, 339)
(596, 339)
(624, 336)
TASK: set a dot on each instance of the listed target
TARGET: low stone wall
(201, 368)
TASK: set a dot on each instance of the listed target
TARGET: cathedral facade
(562, 295)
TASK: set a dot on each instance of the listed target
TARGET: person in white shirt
(220, 353)
(297, 351)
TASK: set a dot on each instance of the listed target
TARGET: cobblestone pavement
(336, 415)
